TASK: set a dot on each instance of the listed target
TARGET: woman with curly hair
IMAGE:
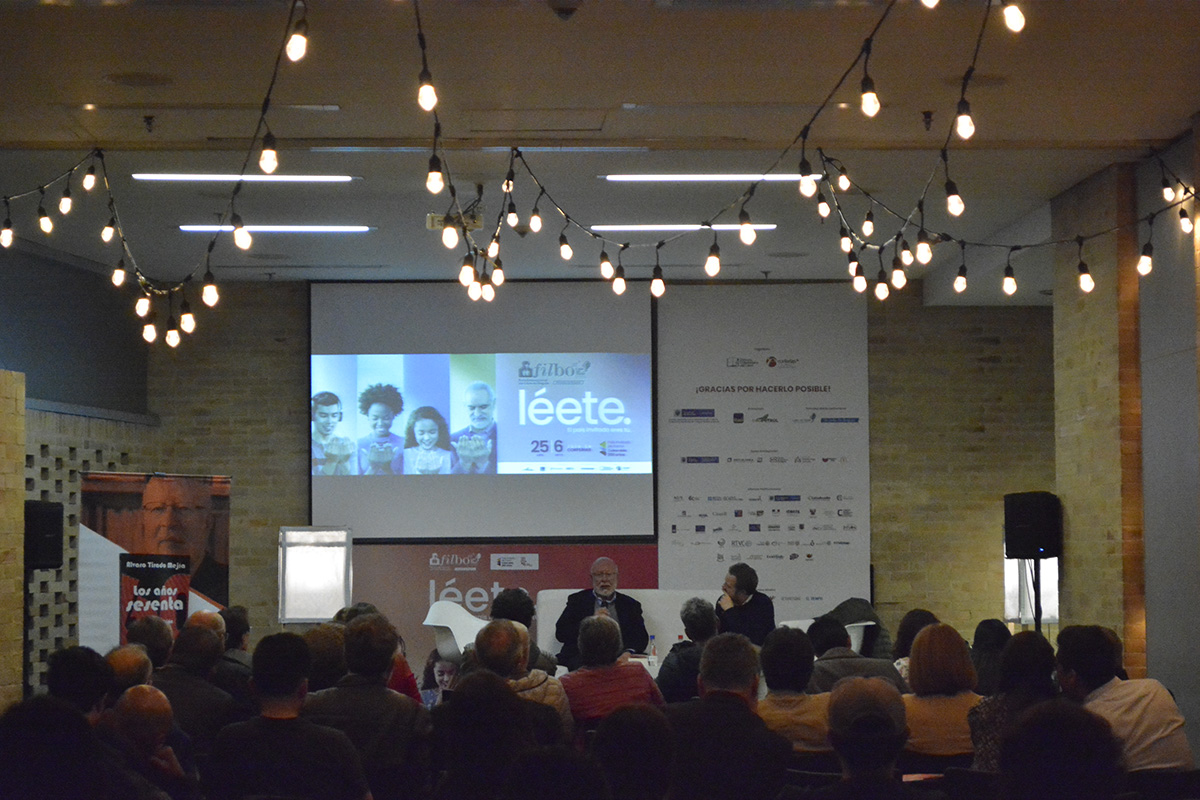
(381, 452)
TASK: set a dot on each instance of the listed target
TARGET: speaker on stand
(1033, 530)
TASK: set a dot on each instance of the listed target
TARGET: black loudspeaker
(43, 534)
(1032, 525)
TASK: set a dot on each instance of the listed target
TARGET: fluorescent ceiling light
(203, 176)
(733, 226)
(278, 228)
(701, 177)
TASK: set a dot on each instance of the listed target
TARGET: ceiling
(618, 87)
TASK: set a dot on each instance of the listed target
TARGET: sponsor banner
(778, 474)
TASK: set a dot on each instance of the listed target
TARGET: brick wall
(962, 406)
(12, 534)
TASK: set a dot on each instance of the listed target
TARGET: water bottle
(653, 660)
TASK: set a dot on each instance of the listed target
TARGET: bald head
(131, 666)
(143, 716)
(604, 577)
(503, 647)
(210, 620)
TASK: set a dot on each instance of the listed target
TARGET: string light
(1086, 283)
(906, 254)
(843, 181)
(475, 290)
(44, 220)
(606, 267)
(618, 283)
(494, 247)
(187, 320)
(954, 201)
(899, 278)
(297, 43)
(808, 178)
(860, 280)
(868, 226)
(149, 331)
(507, 186)
(1185, 221)
(268, 159)
(929, 3)
(141, 306)
(712, 264)
(449, 233)
(1010, 279)
(466, 275)
(209, 294)
(89, 178)
(960, 280)
(512, 219)
(1168, 190)
(487, 289)
(1013, 18)
(658, 286)
(6, 233)
(881, 285)
(822, 205)
(535, 218)
(435, 181)
(64, 204)
(498, 274)
(426, 94)
(852, 263)
(746, 231)
(109, 230)
(844, 240)
(241, 236)
(963, 124)
(870, 100)
(172, 336)
(564, 247)
(924, 248)
(1146, 262)
(118, 274)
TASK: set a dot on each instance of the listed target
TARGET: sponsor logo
(849, 527)
(766, 418)
(774, 527)
(810, 418)
(737, 512)
(845, 512)
(740, 543)
(733, 460)
(734, 361)
(452, 561)
(700, 459)
(755, 527)
(771, 362)
(793, 556)
(720, 542)
(814, 498)
(553, 369)
(514, 561)
(839, 419)
(699, 529)
(805, 459)
(738, 417)
(695, 413)
(845, 498)
(778, 460)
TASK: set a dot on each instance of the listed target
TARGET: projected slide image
(480, 414)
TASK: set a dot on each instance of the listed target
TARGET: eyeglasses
(604, 574)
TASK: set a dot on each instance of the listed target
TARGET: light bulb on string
(899, 278)
(89, 178)
(963, 124)
(1010, 281)
(843, 181)
(493, 248)
(511, 218)
(1168, 190)
(149, 330)
(6, 233)
(1185, 221)
(852, 263)
(449, 233)
(658, 286)
(241, 236)
(881, 285)
(606, 268)
(44, 221)
(535, 217)
(823, 208)
(746, 230)
(172, 335)
(475, 290)
(929, 3)
(498, 274)
(141, 306)
(487, 289)
(844, 240)
(564, 247)
(924, 248)
(808, 179)
(954, 201)
(1086, 283)
(906, 254)
(1146, 262)
(712, 264)
(209, 294)
(960, 280)
(268, 159)
(109, 230)
(509, 179)
(297, 43)
(119, 274)
(466, 274)
(187, 320)
(618, 282)
(860, 280)
(64, 203)
(426, 94)
(868, 226)
(435, 180)
(1013, 18)
(870, 100)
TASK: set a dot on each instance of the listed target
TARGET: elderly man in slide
(475, 445)
(604, 600)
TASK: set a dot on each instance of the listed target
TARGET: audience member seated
(389, 731)
(741, 609)
(232, 672)
(131, 666)
(990, 637)
(503, 647)
(278, 753)
(1057, 750)
(80, 676)
(635, 746)
(723, 749)
(438, 678)
(787, 665)
(155, 634)
(603, 600)
(1141, 712)
(211, 620)
(1026, 678)
(836, 660)
(943, 682)
(680, 669)
(200, 708)
(327, 648)
(516, 605)
(910, 625)
(602, 684)
(868, 730)
(402, 679)
(876, 641)
(143, 721)
(554, 772)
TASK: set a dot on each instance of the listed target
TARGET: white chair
(453, 628)
(855, 629)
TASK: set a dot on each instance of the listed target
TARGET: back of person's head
(1059, 750)
(549, 772)
(635, 747)
(237, 626)
(599, 641)
(348, 613)
(990, 637)
(513, 604)
(47, 750)
(155, 634)
(746, 577)
(940, 662)
(280, 664)
(80, 676)
(482, 728)
(825, 633)
(699, 619)
(1089, 652)
(208, 619)
(910, 625)
(131, 666)
(787, 660)
(1027, 666)
(867, 725)
(370, 645)
(729, 663)
(327, 646)
(143, 716)
(501, 648)
(1118, 652)
(197, 650)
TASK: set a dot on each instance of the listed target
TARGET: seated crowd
(337, 713)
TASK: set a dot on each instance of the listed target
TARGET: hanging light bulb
(493, 248)
(507, 186)
(89, 178)
(535, 220)
(606, 267)
(1086, 283)
(899, 278)
(149, 331)
(906, 254)
(1010, 281)
(498, 274)
(449, 233)
(475, 290)
(466, 274)
(486, 290)
(1168, 190)
(822, 205)
(960, 280)
(852, 263)
(963, 124)
(107, 232)
(564, 247)
(6, 233)
(618, 283)
(187, 320)
(44, 221)
(860, 280)
(64, 204)
(268, 159)
(868, 226)
(929, 3)
(1185, 222)
(954, 201)
(172, 337)
(435, 181)
(746, 232)
(847, 244)
(808, 180)
(141, 306)
(1013, 17)
(657, 285)
(118, 275)
(512, 219)
(1146, 263)
(209, 295)
(924, 248)
(712, 264)
(843, 181)
(297, 43)
(881, 285)
(241, 236)
(426, 95)
(870, 100)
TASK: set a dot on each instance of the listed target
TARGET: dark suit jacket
(840, 662)
(581, 605)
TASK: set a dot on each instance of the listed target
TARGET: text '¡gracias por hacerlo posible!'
(756, 389)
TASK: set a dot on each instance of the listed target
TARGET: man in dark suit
(602, 599)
